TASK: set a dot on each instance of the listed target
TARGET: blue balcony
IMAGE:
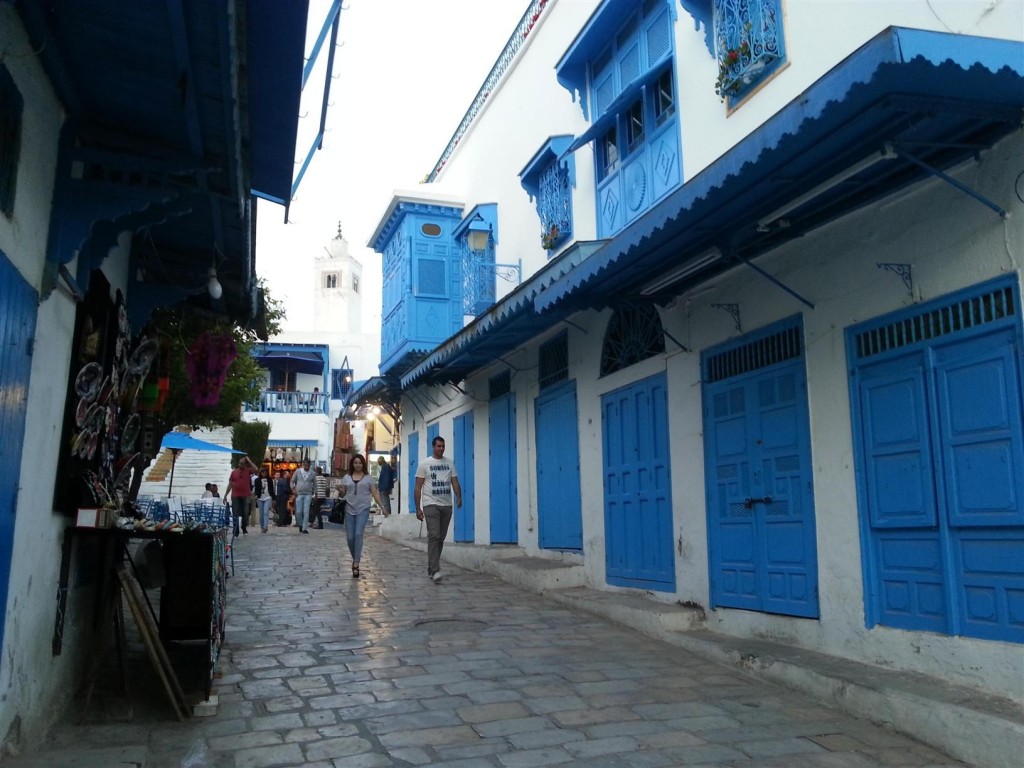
(278, 401)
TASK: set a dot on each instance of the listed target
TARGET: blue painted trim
(488, 212)
(702, 13)
(400, 208)
(869, 564)
(330, 20)
(529, 19)
(896, 61)
(556, 148)
(288, 443)
(599, 31)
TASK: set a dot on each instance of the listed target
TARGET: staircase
(193, 469)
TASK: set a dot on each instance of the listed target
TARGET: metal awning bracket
(776, 281)
(954, 182)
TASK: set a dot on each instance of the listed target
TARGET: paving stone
(338, 674)
(535, 757)
(593, 747)
(485, 713)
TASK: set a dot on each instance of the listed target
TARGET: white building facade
(767, 363)
(310, 371)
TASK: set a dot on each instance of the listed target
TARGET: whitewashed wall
(951, 241)
(529, 105)
(35, 685)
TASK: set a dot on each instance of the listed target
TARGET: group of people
(437, 487)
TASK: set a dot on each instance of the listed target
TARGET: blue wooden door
(504, 496)
(465, 521)
(637, 494)
(761, 531)
(559, 509)
(940, 444)
(18, 305)
(413, 461)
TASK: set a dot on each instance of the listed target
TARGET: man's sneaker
(437, 577)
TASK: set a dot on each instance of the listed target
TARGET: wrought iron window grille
(634, 334)
(749, 43)
(478, 272)
(554, 206)
(554, 361)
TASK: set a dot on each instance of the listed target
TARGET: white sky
(406, 72)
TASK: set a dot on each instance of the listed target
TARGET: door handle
(748, 502)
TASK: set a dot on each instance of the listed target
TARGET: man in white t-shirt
(436, 481)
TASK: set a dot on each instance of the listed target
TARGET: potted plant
(549, 237)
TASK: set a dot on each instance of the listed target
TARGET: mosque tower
(337, 301)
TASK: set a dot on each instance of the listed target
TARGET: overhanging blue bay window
(549, 178)
(623, 69)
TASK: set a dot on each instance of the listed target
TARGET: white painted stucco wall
(35, 685)
(529, 105)
(951, 240)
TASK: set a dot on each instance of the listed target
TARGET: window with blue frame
(749, 45)
(622, 66)
(548, 179)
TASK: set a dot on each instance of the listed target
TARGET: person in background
(321, 486)
(436, 480)
(385, 484)
(208, 493)
(282, 496)
(302, 487)
(357, 488)
(261, 489)
(240, 490)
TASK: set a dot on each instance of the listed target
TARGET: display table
(193, 599)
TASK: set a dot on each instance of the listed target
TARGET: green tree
(251, 437)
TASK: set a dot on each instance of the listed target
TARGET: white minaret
(337, 297)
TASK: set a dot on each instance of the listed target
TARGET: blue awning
(934, 97)
(276, 48)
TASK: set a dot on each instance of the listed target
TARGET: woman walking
(357, 488)
(262, 489)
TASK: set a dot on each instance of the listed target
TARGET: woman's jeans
(302, 502)
(354, 527)
(264, 513)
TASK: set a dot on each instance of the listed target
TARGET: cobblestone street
(323, 670)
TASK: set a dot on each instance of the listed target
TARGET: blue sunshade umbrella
(176, 442)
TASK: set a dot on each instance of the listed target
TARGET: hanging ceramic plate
(130, 433)
(89, 381)
(143, 357)
(111, 419)
(105, 390)
(81, 412)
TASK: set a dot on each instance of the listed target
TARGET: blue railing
(515, 42)
(273, 401)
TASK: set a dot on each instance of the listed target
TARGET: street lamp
(478, 234)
